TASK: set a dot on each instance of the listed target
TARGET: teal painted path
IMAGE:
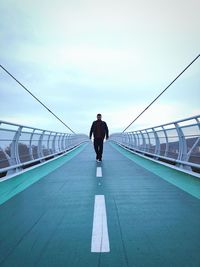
(11, 187)
(151, 221)
(185, 181)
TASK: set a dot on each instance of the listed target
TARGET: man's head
(99, 117)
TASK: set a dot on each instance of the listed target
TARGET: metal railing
(22, 146)
(177, 143)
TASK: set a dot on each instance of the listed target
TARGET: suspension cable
(28, 91)
(162, 92)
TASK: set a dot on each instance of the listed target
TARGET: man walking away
(99, 129)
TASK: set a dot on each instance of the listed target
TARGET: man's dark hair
(99, 114)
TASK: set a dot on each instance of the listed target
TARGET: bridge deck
(150, 221)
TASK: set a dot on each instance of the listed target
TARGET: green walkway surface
(152, 221)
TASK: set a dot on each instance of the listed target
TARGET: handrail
(182, 148)
(171, 123)
(20, 148)
(25, 126)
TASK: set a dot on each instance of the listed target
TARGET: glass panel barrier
(23, 146)
(177, 142)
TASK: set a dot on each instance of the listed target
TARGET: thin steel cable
(28, 91)
(161, 92)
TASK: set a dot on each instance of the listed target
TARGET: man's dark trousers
(98, 147)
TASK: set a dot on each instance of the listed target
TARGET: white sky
(87, 57)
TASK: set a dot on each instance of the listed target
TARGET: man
(99, 129)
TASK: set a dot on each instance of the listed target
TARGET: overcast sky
(83, 57)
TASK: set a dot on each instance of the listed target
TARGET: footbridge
(139, 207)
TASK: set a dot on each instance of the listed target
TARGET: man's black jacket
(101, 132)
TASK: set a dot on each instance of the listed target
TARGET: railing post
(62, 142)
(30, 145)
(143, 141)
(123, 137)
(196, 143)
(128, 140)
(48, 141)
(182, 153)
(135, 140)
(167, 142)
(14, 151)
(120, 138)
(66, 141)
(73, 139)
(54, 143)
(69, 141)
(40, 150)
(157, 146)
(59, 142)
(147, 150)
(132, 141)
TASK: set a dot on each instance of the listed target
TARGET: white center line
(99, 172)
(100, 239)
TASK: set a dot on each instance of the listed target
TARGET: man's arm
(91, 130)
(107, 132)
